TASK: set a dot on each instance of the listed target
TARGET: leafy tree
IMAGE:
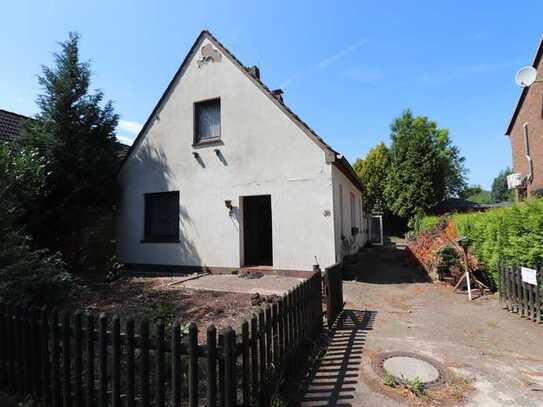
(470, 191)
(416, 180)
(75, 131)
(453, 163)
(500, 192)
(372, 171)
(483, 197)
(27, 276)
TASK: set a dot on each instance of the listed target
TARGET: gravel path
(495, 357)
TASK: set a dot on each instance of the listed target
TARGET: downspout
(530, 175)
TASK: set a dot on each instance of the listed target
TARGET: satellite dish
(526, 76)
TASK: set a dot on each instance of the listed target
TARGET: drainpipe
(530, 175)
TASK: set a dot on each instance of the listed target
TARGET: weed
(389, 380)
(415, 386)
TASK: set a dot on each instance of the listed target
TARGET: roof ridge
(15, 114)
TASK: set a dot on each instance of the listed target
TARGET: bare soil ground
(495, 358)
(163, 298)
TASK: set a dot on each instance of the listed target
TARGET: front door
(257, 230)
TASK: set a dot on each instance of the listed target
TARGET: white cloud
(341, 54)
(130, 126)
(125, 140)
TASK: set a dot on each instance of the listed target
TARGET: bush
(30, 277)
(513, 234)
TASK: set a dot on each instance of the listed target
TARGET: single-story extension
(224, 175)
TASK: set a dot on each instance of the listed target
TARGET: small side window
(162, 217)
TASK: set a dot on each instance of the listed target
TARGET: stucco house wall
(262, 152)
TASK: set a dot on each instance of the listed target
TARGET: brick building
(525, 131)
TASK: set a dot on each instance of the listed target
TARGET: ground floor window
(162, 217)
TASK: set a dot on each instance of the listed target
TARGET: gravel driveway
(497, 356)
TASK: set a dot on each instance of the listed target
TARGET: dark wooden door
(257, 230)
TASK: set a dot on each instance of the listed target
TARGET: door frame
(380, 227)
(242, 205)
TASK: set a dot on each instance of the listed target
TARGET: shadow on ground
(333, 378)
(383, 265)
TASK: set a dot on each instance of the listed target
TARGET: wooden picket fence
(81, 360)
(333, 292)
(518, 296)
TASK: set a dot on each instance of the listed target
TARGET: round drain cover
(411, 368)
(410, 365)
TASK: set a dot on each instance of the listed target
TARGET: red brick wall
(531, 113)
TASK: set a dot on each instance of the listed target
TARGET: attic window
(207, 121)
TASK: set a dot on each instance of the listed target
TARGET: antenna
(526, 76)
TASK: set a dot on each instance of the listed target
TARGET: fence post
(193, 365)
(36, 357)
(212, 366)
(144, 336)
(160, 363)
(538, 296)
(116, 359)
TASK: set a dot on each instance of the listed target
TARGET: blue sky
(347, 68)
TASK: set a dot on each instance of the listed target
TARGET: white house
(224, 175)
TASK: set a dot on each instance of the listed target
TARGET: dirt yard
(495, 358)
(164, 298)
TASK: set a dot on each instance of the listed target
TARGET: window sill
(208, 142)
(160, 241)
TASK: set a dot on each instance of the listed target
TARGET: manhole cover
(407, 365)
(411, 368)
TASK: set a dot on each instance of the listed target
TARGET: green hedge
(513, 233)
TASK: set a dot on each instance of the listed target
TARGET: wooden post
(538, 296)
(102, 359)
(269, 345)
(25, 352)
(116, 359)
(36, 348)
(193, 365)
(78, 361)
(160, 364)
(90, 360)
(221, 371)
(275, 333)
(144, 336)
(212, 366)
(176, 365)
(281, 332)
(130, 366)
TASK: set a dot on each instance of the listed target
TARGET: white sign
(529, 275)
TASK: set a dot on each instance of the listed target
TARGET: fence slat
(193, 364)
(130, 366)
(245, 364)
(212, 366)
(254, 358)
(78, 363)
(89, 341)
(262, 356)
(116, 362)
(144, 337)
(229, 368)
(221, 371)
(66, 361)
(35, 366)
(44, 353)
(55, 359)
(102, 360)
(160, 384)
